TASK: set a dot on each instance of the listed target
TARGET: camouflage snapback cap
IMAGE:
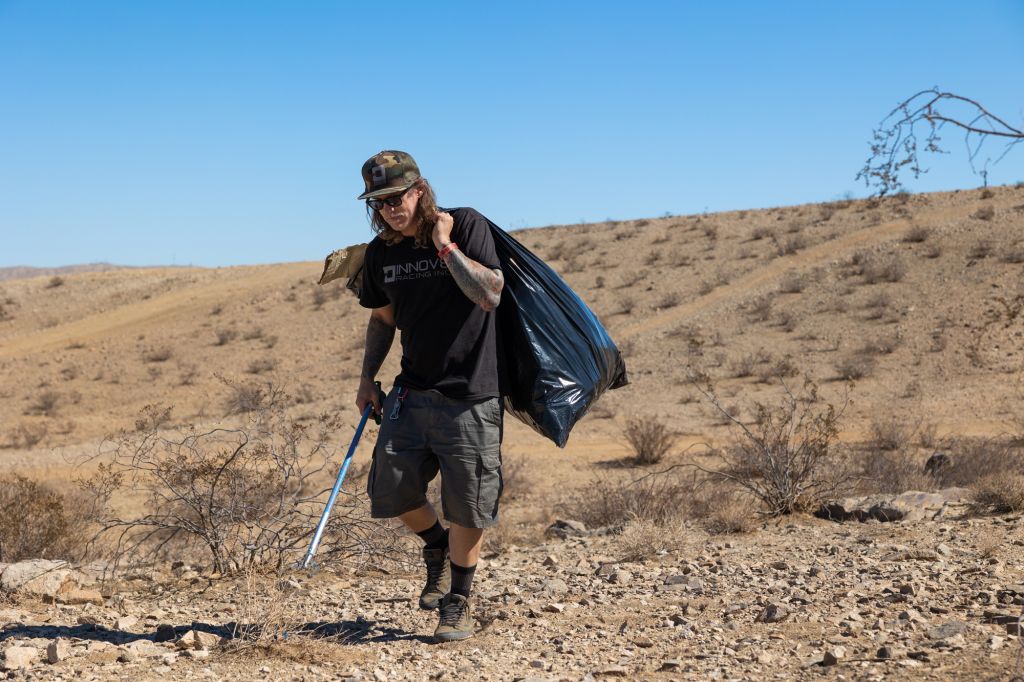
(388, 172)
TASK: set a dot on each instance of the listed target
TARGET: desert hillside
(904, 312)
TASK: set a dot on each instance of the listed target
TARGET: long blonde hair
(426, 212)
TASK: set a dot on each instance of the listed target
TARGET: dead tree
(896, 142)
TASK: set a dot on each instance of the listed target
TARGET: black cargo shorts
(423, 432)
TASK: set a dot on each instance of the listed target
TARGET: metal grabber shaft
(337, 488)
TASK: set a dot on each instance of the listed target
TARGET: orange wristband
(446, 250)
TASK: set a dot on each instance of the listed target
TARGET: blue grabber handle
(306, 562)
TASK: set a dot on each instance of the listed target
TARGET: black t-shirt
(448, 342)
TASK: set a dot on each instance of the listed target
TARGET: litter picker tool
(308, 560)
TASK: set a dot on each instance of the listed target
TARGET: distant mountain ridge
(26, 271)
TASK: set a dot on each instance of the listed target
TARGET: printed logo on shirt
(420, 269)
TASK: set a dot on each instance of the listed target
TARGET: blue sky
(223, 133)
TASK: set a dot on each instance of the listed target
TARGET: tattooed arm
(380, 333)
(480, 284)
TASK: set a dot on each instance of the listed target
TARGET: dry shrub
(36, 522)
(999, 494)
(642, 539)
(985, 213)
(27, 435)
(785, 458)
(245, 497)
(855, 366)
(917, 234)
(158, 354)
(55, 281)
(892, 471)
(261, 365)
(320, 296)
(877, 269)
(612, 502)
(981, 249)
(45, 404)
(760, 309)
(792, 283)
(890, 433)
(650, 439)
(669, 300)
(225, 336)
(976, 459)
(246, 397)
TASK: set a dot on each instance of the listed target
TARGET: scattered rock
(947, 630)
(80, 596)
(39, 577)
(884, 653)
(125, 623)
(669, 665)
(773, 613)
(909, 506)
(198, 640)
(622, 578)
(17, 657)
(566, 529)
(613, 671)
(57, 650)
(834, 655)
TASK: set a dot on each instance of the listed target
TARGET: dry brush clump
(243, 497)
(37, 522)
(650, 439)
(786, 458)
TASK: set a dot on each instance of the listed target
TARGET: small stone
(197, 654)
(773, 613)
(947, 630)
(834, 655)
(943, 549)
(908, 589)
(622, 578)
(551, 560)
(125, 623)
(80, 596)
(780, 565)
(198, 640)
(643, 642)
(555, 608)
(57, 650)
(614, 671)
(884, 653)
(127, 656)
(536, 663)
(669, 664)
(565, 529)
(17, 657)
(995, 642)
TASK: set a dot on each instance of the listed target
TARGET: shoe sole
(453, 637)
(430, 606)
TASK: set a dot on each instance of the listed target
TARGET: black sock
(436, 536)
(462, 579)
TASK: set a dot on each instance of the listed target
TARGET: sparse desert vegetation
(687, 516)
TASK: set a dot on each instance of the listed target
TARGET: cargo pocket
(490, 486)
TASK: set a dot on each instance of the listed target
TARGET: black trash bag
(556, 357)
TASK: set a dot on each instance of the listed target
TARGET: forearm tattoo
(481, 285)
(379, 336)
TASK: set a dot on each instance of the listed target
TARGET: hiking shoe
(456, 621)
(439, 578)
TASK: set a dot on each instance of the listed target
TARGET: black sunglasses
(393, 200)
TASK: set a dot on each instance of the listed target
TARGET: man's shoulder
(465, 213)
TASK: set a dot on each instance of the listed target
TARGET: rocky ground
(800, 598)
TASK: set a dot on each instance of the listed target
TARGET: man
(436, 277)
